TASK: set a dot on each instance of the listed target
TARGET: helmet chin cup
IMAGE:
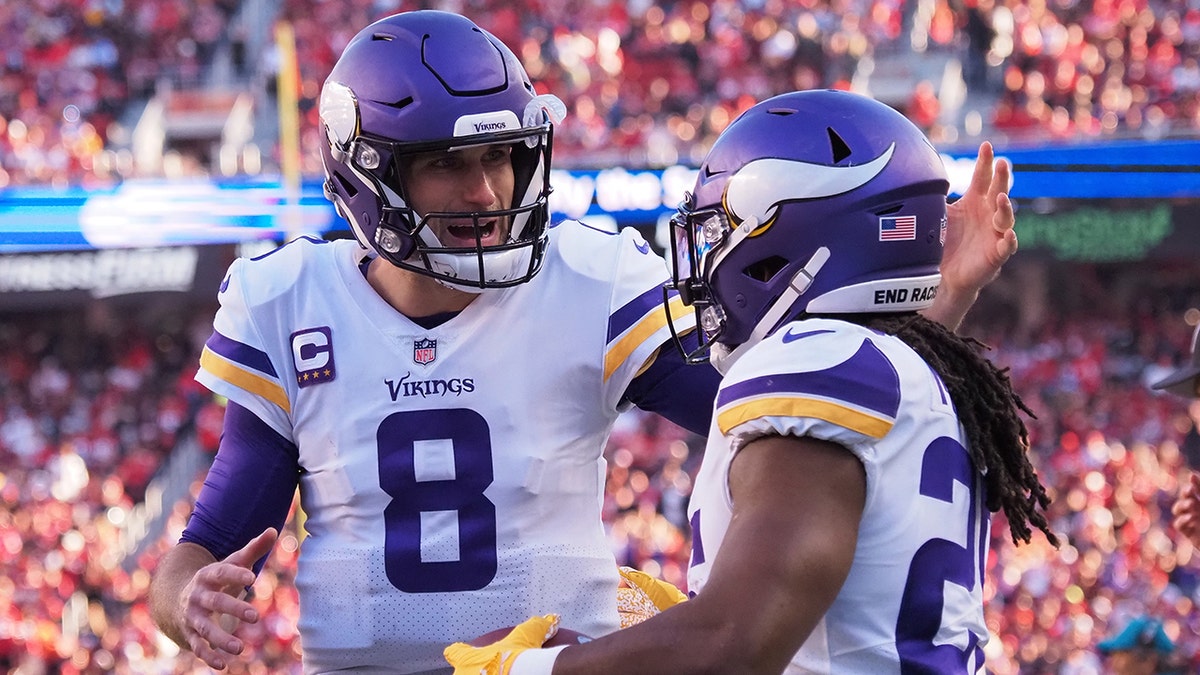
(461, 271)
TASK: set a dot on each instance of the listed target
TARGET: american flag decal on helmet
(897, 228)
(424, 351)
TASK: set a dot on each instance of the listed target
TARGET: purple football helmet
(818, 202)
(427, 81)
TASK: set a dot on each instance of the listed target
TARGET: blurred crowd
(85, 423)
(1113, 453)
(647, 84)
(70, 69)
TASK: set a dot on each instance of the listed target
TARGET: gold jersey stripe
(244, 379)
(792, 406)
(641, 331)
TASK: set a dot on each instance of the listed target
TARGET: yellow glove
(641, 596)
(498, 657)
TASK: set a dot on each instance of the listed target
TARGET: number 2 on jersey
(940, 566)
(467, 433)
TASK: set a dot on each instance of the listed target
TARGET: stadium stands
(647, 84)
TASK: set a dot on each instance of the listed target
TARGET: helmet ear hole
(764, 270)
(347, 187)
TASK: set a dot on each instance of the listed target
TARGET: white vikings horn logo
(759, 186)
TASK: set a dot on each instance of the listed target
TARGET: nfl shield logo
(424, 351)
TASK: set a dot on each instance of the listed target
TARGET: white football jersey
(913, 601)
(452, 477)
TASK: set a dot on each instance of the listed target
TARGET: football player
(441, 386)
(840, 518)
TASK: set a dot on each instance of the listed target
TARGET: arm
(979, 239)
(797, 505)
(681, 393)
(196, 600)
(1186, 510)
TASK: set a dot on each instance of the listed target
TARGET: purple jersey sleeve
(249, 487)
(681, 393)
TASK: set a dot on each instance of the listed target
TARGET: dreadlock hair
(988, 409)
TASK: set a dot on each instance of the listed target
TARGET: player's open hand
(979, 228)
(213, 603)
(497, 658)
(1186, 509)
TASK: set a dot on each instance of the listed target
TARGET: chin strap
(723, 357)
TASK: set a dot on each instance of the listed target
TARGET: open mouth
(459, 236)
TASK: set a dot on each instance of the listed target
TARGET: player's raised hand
(979, 228)
(498, 657)
(213, 603)
(1186, 509)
